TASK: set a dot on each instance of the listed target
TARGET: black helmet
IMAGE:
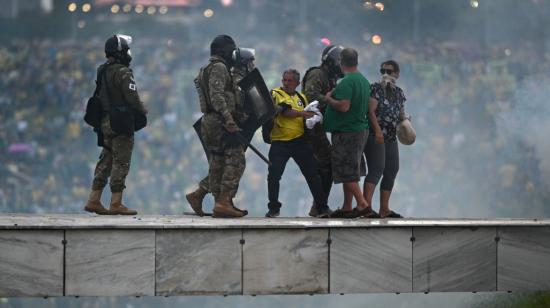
(223, 46)
(331, 58)
(243, 57)
(118, 47)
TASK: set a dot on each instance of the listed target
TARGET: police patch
(132, 86)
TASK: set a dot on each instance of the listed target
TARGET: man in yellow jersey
(287, 141)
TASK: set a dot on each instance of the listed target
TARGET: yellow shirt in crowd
(286, 128)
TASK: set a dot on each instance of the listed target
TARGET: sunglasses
(386, 71)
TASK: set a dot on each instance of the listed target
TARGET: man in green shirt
(347, 121)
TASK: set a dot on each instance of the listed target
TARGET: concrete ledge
(81, 255)
(82, 221)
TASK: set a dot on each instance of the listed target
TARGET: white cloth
(313, 107)
(317, 118)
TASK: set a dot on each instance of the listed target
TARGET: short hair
(293, 72)
(348, 57)
(392, 63)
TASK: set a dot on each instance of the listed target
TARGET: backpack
(93, 108)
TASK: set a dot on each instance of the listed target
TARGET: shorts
(348, 164)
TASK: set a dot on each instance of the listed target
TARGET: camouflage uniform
(114, 161)
(239, 115)
(315, 85)
(226, 161)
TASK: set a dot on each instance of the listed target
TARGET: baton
(243, 140)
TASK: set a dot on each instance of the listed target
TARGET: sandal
(367, 212)
(393, 214)
(344, 214)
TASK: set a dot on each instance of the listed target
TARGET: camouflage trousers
(317, 138)
(226, 163)
(114, 160)
(348, 163)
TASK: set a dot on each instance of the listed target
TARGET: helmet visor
(124, 41)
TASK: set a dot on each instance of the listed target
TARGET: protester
(346, 120)
(386, 110)
(287, 141)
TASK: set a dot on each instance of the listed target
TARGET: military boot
(117, 208)
(224, 208)
(94, 203)
(245, 211)
(195, 200)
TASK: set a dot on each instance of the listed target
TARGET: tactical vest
(331, 81)
(201, 84)
(114, 95)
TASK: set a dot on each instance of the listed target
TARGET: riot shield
(258, 102)
(244, 140)
(197, 127)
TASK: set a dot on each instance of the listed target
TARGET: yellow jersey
(286, 128)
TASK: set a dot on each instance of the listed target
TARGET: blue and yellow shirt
(286, 128)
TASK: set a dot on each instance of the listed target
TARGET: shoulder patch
(132, 86)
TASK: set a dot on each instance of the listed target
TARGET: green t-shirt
(356, 88)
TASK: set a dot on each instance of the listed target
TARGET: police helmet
(118, 47)
(242, 57)
(331, 58)
(223, 46)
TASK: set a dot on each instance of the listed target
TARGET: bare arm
(373, 105)
(402, 114)
(291, 113)
(340, 105)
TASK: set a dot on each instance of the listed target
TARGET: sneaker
(313, 210)
(324, 212)
(272, 213)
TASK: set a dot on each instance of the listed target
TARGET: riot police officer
(116, 89)
(219, 127)
(243, 63)
(317, 82)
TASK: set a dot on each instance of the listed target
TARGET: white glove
(313, 107)
(317, 118)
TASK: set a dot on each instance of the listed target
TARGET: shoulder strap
(302, 98)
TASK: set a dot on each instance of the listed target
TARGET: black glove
(99, 133)
(283, 107)
(232, 139)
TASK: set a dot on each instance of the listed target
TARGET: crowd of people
(460, 166)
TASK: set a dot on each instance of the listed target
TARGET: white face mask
(387, 79)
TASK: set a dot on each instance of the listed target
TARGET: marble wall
(110, 262)
(524, 259)
(454, 259)
(198, 262)
(31, 263)
(226, 261)
(372, 260)
(285, 261)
